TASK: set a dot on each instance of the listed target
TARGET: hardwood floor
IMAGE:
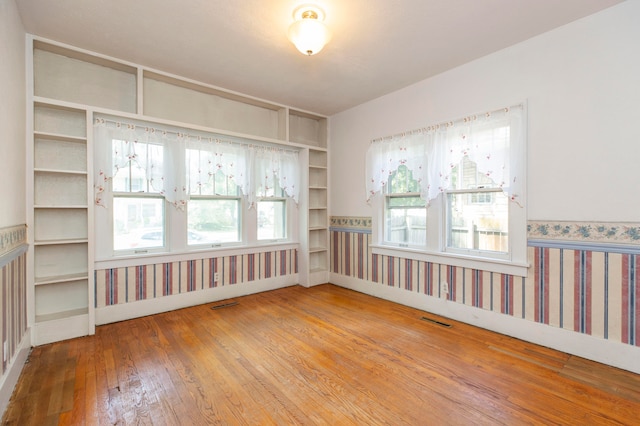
(323, 355)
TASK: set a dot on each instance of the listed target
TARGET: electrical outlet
(216, 277)
(444, 287)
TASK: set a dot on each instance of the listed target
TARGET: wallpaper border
(582, 232)
(12, 237)
(597, 232)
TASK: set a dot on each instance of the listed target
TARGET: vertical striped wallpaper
(129, 284)
(592, 289)
(13, 290)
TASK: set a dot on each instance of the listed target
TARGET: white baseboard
(60, 329)
(620, 355)
(15, 366)
(125, 311)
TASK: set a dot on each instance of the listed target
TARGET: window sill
(193, 254)
(481, 263)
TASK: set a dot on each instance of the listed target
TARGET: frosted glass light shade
(309, 35)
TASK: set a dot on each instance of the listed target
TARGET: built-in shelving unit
(69, 86)
(311, 130)
(318, 216)
(60, 247)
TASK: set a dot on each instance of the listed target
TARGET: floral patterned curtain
(385, 156)
(206, 157)
(152, 150)
(177, 164)
(271, 167)
(494, 141)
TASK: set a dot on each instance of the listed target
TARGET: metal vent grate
(224, 305)
(443, 324)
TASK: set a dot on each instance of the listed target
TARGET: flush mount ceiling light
(308, 33)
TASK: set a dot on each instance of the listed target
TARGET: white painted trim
(616, 354)
(15, 366)
(60, 329)
(455, 259)
(125, 311)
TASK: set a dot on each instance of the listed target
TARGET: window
(405, 211)
(138, 208)
(165, 191)
(272, 215)
(477, 212)
(453, 193)
(214, 214)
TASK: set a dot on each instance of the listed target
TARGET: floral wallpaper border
(350, 222)
(12, 237)
(601, 232)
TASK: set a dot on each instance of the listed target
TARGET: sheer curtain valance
(493, 140)
(152, 151)
(176, 164)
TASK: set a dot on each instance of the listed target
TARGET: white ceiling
(378, 46)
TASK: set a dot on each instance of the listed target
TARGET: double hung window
(272, 215)
(405, 213)
(477, 212)
(454, 192)
(138, 206)
(214, 209)
(165, 191)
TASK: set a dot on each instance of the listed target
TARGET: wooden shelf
(61, 279)
(317, 249)
(58, 171)
(61, 315)
(59, 137)
(68, 206)
(60, 242)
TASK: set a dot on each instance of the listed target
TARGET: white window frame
(176, 241)
(514, 262)
(286, 218)
(388, 196)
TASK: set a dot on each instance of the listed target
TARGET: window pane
(138, 223)
(406, 219)
(405, 216)
(213, 221)
(478, 221)
(132, 173)
(402, 181)
(467, 176)
(271, 220)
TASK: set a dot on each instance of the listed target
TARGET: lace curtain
(494, 141)
(207, 157)
(154, 151)
(272, 167)
(385, 156)
(178, 164)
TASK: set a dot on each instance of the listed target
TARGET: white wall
(12, 116)
(582, 84)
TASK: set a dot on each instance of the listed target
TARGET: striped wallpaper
(586, 288)
(129, 284)
(13, 290)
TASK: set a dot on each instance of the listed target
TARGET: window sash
(141, 237)
(279, 225)
(225, 228)
(473, 234)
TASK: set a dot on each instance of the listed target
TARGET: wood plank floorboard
(318, 356)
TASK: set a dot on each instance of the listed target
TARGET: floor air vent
(443, 324)
(225, 305)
